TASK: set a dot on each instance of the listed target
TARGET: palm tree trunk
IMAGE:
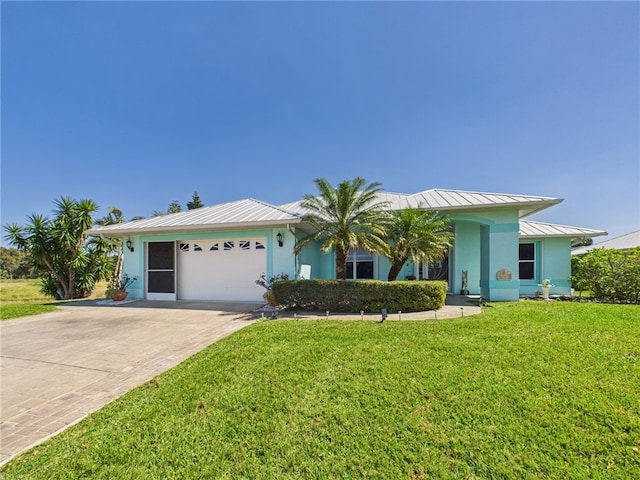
(119, 261)
(395, 269)
(341, 264)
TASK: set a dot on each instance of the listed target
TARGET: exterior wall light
(279, 238)
(129, 245)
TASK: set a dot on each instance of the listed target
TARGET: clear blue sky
(138, 104)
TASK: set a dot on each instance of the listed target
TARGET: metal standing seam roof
(443, 199)
(250, 212)
(529, 228)
(395, 201)
(242, 212)
(623, 242)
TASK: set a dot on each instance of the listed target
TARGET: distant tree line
(15, 263)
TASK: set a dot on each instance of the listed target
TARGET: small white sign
(305, 272)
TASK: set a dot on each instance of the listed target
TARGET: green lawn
(526, 390)
(20, 298)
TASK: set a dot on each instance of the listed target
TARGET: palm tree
(417, 235)
(67, 263)
(345, 217)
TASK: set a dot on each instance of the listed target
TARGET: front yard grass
(20, 298)
(526, 390)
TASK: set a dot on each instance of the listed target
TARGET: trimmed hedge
(367, 295)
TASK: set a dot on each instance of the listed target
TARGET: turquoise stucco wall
(499, 252)
(553, 262)
(484, 244)
(465, 255)
(322, 264)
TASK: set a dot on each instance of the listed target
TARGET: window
(259, 246)
(214, 248)
(229, 245)
(184, 247)
(527, 260)
(197, 248)
(244, 245)
(360, 265)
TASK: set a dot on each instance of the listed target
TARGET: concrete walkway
(59, 367)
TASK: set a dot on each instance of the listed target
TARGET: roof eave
(565, 235)
(117, 233)
(524, 208)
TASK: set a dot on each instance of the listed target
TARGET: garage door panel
(221, 269)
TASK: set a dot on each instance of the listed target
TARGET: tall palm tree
(417, 235)
(345, 217)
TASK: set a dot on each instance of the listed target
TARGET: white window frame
(362, 255)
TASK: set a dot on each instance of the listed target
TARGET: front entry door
(439, 270)
(161, 271)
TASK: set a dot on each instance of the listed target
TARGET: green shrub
(367, 295)
(612, 275)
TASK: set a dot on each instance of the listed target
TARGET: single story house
(216, 253)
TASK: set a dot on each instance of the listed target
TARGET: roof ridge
(275, 207)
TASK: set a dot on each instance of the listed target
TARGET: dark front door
(439, 270)
(161, 271)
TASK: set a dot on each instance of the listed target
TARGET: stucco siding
(556, 264)
(282, 258)
(553, 262)
(466, 256)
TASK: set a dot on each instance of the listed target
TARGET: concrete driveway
(57, 368)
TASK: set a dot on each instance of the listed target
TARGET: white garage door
(221, 269)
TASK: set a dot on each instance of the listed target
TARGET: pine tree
(195, 202)
(174, 207)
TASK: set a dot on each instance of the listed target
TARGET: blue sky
(138, 104)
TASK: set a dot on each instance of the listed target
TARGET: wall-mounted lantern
(279, 238)
(129, 245)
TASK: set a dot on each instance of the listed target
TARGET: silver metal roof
(623, 242)
(245, 213)
(442, 199)
(254, 213)
(539, 229)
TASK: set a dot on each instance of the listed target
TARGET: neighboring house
(217, 252)
(623, 242)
